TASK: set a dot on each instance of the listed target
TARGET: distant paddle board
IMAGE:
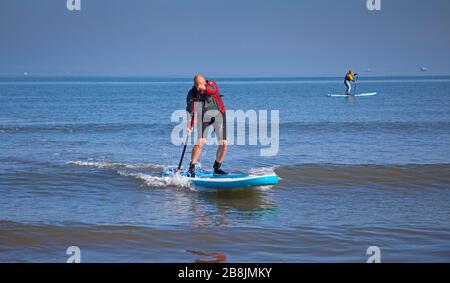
(359, 94)
(207, 179)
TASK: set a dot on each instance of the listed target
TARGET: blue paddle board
(207, 179)
(359, 94)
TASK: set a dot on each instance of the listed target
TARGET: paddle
(356, 80)
(185, 143)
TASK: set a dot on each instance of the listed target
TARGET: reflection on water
(221, 208)
(215, 257)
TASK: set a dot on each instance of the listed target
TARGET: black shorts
(215, 118)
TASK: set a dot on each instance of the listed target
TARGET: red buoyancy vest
(213, 90)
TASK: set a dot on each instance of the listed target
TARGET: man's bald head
(200, 82)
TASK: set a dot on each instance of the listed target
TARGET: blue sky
(224, 38)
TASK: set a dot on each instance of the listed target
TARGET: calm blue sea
(81, 161)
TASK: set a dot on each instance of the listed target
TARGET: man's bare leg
(196, 152)
(220, 156)
(221, 151)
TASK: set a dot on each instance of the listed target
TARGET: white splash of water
(262, 171)
(175, 180)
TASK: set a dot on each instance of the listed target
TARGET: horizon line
(211, 75)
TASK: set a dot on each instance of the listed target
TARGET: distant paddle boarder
(204, 104)
(349, 77)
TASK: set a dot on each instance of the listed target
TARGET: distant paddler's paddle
(356, 80)
(186, 141)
